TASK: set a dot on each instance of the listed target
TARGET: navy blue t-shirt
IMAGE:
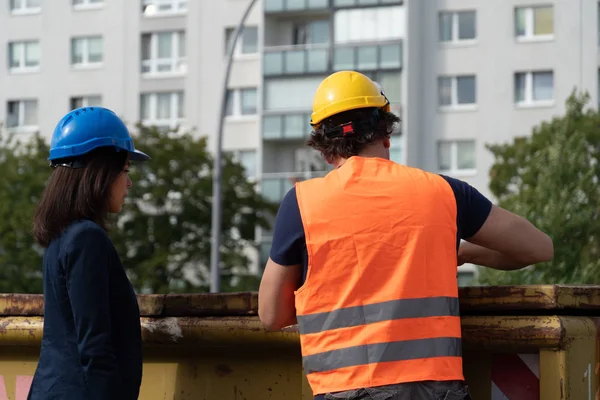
(289, 245)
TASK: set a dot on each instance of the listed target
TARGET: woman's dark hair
(78, 193)
(380, 125)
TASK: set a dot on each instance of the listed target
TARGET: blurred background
(500, 93)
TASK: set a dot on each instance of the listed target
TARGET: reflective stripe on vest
(380, 301)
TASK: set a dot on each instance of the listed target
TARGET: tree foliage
(551, 178)
(164, 234)
(23, 174)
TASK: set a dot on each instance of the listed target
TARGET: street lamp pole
(217, 208)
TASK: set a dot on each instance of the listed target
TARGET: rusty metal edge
(481, 333)
(520, 299)
(509, 300)
(151, 305)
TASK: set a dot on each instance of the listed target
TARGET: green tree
(551, 178)
(164, 234)
(23, 174)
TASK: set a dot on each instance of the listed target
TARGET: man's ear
(386, 142)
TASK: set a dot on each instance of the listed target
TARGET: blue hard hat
(87, 128)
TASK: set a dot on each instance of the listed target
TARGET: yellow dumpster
(519, 342)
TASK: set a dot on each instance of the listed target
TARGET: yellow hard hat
(345, 91)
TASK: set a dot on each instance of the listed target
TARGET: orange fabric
(377, 231)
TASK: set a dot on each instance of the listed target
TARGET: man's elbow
(544, 252)
(268, 320)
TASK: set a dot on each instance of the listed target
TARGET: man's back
(381, 281)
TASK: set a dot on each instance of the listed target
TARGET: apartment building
(461, 73)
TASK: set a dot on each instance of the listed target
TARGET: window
(456, 156)
(22, 114)
(25, 6)
(457, 91)
(162, 7)
(396, 150)
(353, 3)
(24, 56)
(290, 94)
(376, 24)
(87, 4)
(162, 109)
(391, 84)
(86, 101)
(533, 23)
(164, 53)
(87, 51)
(533, 88)
(241, 102)
(247, 42)
(312, 32)
(248, 160)
(457, 26)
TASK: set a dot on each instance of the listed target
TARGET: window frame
(176, 8)
(454, 105)
(237, 156)
(21, 127)
(239, 46)
(530, 35)
(529, 101)
(23, 68)
(86, 64)
(174, 61)
(454, 170)
(235, 94)
(87, 5)
(454, 39)
(177, 115)
(25, 9)
(85, 101)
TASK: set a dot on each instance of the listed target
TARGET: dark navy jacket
(91, 346)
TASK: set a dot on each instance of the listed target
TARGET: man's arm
(276, 304)
(507, 241)
(496, 238)
(87, 276)
(282, 275)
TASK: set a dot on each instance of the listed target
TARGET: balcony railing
(282, 6)
(286, 126)
(278, 6)
(320, 59)
(274, 186)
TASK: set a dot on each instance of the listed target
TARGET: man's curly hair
(344, 147)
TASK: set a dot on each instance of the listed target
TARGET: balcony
(274, 186)
(322, 59)
(286, 127)
(293, 6)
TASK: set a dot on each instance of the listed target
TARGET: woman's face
(119, 190)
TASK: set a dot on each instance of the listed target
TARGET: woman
(91, 346)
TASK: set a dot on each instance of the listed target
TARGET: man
(364, 260)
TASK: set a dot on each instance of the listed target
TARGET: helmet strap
(352, 128)
(74, 164)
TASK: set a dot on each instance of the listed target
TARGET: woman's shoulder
(84, 232)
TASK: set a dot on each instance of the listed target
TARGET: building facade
(461, 73)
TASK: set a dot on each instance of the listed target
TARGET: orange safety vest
(380, 302)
